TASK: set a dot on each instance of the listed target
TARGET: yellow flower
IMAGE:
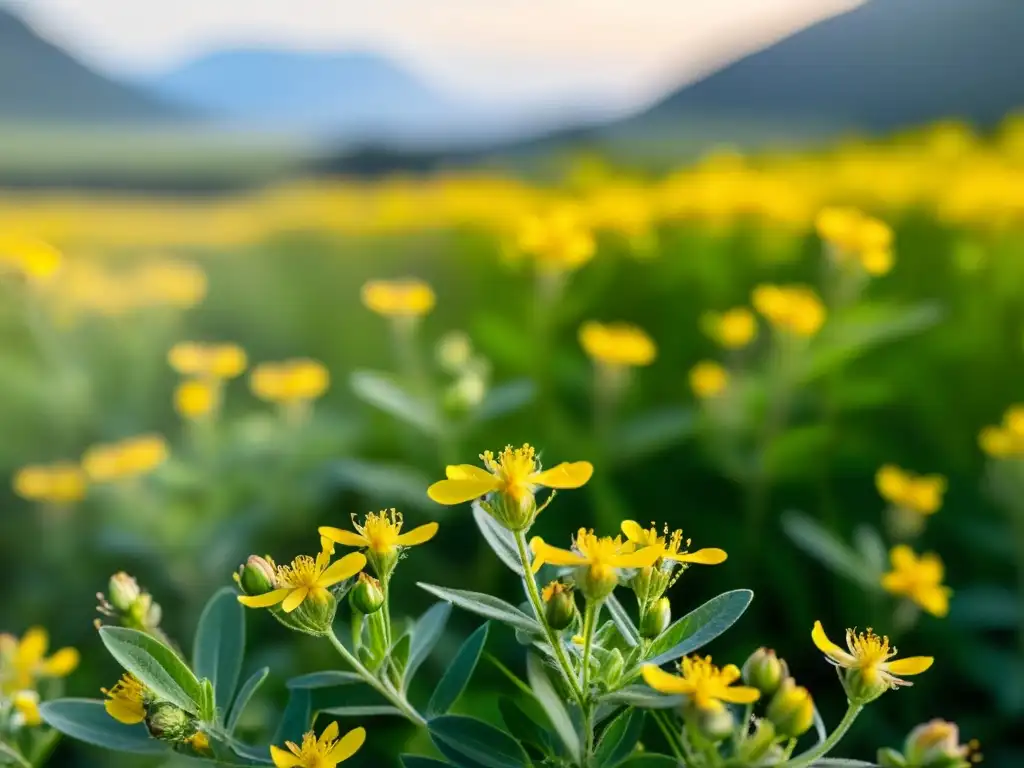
(200, 742)
(325, 752)
(216, 361)
(398, 298)
(708, 379)
(795, 309)
(515, 473)
(558, 240)
(670, 545)
(61, 483)
(877, 262)
(291, 381)
(734, 328)
(617, 344)
(128, 458)
(703, 683)
(306, 579)
(602, 556)
(126, 701)
(869, 655)
(855, 235)
(196, 399)
(918, 579)
(1007, 440)
(24, 662)
(26, 704)
(33, 258)
(918, 493)
(838, 226)
(381, 533)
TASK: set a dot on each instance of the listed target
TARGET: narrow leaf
(487, 606)
(479, 741)
(526, 729)
(155, 665)
(622, 620)
(87, 720)
(297, 717)
(424, 637)
(381, 391)
(699, 627)
(326, 679)
(505, 398)
(620, 738)
(499, 539)
(457, 676)
(651, 761)
(417, 761)
(246, 693)
(9, 755)
(827, 549)
(220, 645)
(363, 711)
(642, 696)
(553, 706)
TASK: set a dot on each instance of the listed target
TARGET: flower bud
(791, 709)
(123, 591)
(316, 614)
(560, 610)
(890, 758)
(764, 670)
(170, 723)
(935, 745)
(863, 686)
(597, 581)
(366, 596)
(713, 723)
(257, 576)
(757, 744)
(611, 668)
(656, 619)
(516, 513)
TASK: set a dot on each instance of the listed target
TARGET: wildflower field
(799, 374)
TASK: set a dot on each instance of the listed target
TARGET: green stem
(538, 610)
(384, 690)
(811, 755)
(385, 587)
(590, 614)
(664, 721)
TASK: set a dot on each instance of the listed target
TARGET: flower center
(513, 466)
(381, 530)
(303, 572)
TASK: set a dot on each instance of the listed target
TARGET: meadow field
(812, 360)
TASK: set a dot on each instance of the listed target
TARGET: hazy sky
(625, 49)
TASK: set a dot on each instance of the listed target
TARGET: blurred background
(236, 173)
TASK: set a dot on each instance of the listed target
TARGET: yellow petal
(284, 759)
(634, 531)
(125, 711)
(931, 567)
(739, 694)
(343, 537)
(642, 558)
(829, 648)
(565, 475)
(459, 491)
(294, 599)
(894, 582)
(349, 565)
(62, 663)
(420, 535)
(707, 556)
(545, 553)
(662, 681)
(912, 665)
(33, 647)
(264, 601)
(935, 600)
(467, 472)
(730, 673)
(330, 733)
(348, 746)
(902, 558)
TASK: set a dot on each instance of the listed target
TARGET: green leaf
(258, 754)
(651, 761)
(245, 695)
(871, 546)
(417, 761)
(381, 391)
(505, 398)
(487, 606)
(553, 705)
(208, 707)
(457, 676)
(399, 654)
(841, 762)
(87, 720)
(642, 696)
(622, 620)
(526, 729)
(220, 645)
(620, 738)
(828, 549)
(699, 627)
(479, 741)
(369, 710)
(297, 717)
(500, 539)
(397, 483)
(652, 432)
(425, 635)
(9, 755)
(155, 665)
(326, 679)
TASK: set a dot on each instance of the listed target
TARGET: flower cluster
(1006, 440)
(854, 237)
(204, 368)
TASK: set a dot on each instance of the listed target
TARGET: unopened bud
(123, 591)
(366, 596)
(863, 686)
(935, 745)
(560, 610)
(656, 619)
(713, 723)
(170, 723)
(597, 581)
(890, 758)
(791, 709)
(764, 670)
(757, 744)
(257, 576)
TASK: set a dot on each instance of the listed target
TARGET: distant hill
(882, 66)
(351, 93)
(40, 82)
